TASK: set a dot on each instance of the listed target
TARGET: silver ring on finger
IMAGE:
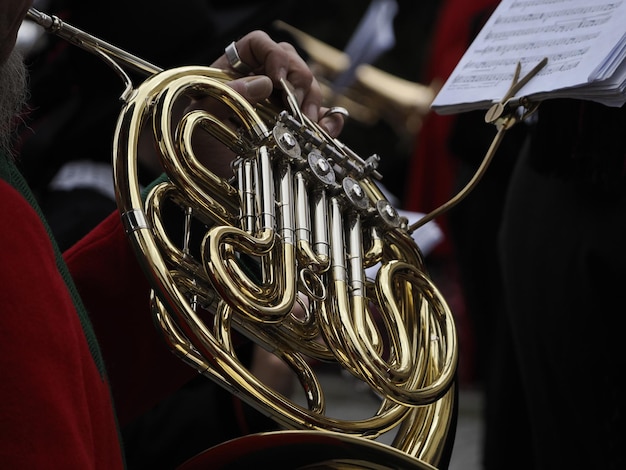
(235, 61)
(337, 110)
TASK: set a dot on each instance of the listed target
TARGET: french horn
(293, 230)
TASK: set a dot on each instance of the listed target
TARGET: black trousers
(563, 256)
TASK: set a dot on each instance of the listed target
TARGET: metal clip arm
(505, 113)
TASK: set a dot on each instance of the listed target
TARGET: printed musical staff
(585, 46)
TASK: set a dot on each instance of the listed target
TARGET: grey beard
(13, 94)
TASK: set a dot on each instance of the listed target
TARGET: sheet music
(583, 41)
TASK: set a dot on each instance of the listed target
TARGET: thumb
(255, 88)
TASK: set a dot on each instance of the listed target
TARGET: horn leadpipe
(79, 38)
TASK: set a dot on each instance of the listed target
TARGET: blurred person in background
(448, 152)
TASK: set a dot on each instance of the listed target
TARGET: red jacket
(432, 169)
(56, 401)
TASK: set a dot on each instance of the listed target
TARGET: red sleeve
(432, 168)
(142, 370)
(55, 406)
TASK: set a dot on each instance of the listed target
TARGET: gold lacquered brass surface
(277, 253)
(394, 332)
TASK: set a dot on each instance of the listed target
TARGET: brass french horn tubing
(307, 214)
